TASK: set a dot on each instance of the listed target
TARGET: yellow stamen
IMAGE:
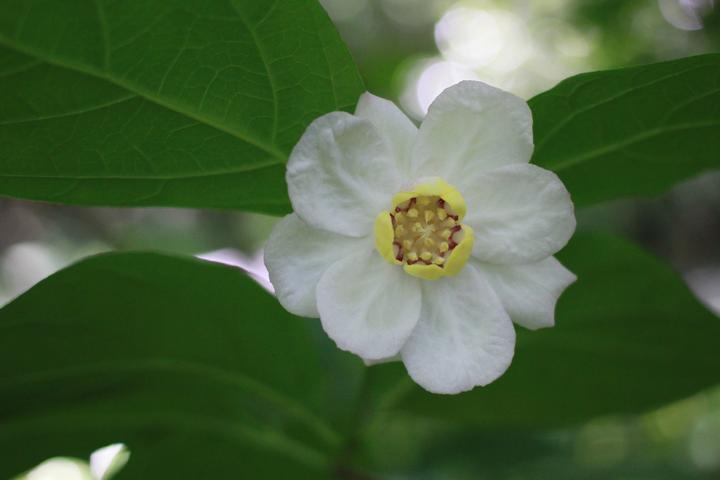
(425, 233)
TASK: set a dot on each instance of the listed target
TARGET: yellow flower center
(423, 232)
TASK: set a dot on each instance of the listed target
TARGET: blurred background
(409, 51)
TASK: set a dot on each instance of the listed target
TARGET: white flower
(423, 244)
(104, 464)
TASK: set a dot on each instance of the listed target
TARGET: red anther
(399, 255)
(452, 244)
(454, 217)
(441, 203)
(456, 229)
(413, 200)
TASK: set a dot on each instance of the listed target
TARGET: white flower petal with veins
(297, 255)
(395, 127)
(464, 337)
(523, 214)
(340, 174)
(472, 127)
(367, 308)
(529, 292)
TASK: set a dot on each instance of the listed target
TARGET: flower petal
(368, 306)
(59, 468)
(520, 214)
(472, 127)
(529, 292)
(397, 129)
(297, 255)
(108, 461)
(341, 174)
(380, 361)
(464, 337)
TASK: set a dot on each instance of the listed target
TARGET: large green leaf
(200, 372)
(187, 103)
(203, 374)
(629, 337)
(632, 131)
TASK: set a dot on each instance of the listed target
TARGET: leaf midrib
(163, 364)
(275, 153)
(612, 147)
(615, 96)
(273, 440)
(206, 173)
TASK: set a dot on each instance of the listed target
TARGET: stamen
(424, 233)
(425, 230)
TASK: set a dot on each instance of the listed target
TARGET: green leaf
(182, 103)
(629, 337)
(194, 367)
(633, 131)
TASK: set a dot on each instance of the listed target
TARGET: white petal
(520, 214)
(464, 337)
(368, 306)
(107, 461)
(379, 361)
(472, 127)
(297, 255)
(529, 292)
(59, 469)
(341, 174)
(399, 132)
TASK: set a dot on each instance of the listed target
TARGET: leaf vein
(273, 151)
(609, 148)
(71, 113)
